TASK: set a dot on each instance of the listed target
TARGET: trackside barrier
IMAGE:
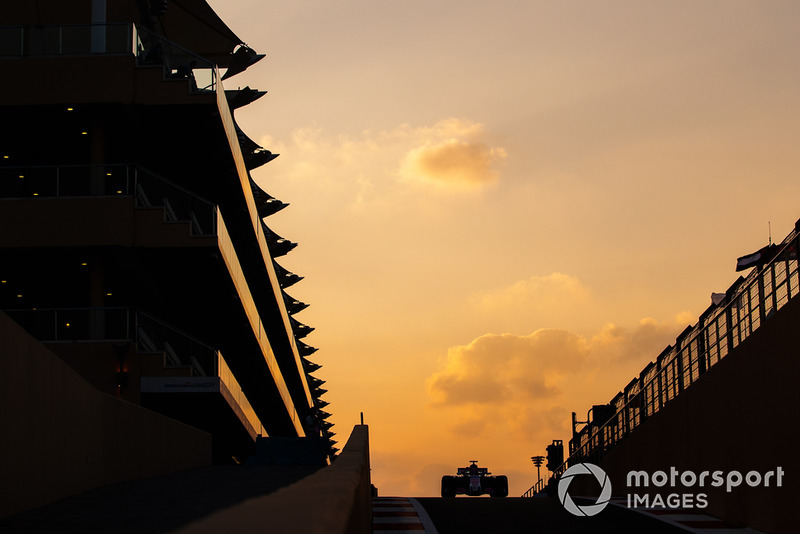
(744, 308)
(741, 311)
(334, 500)
(536, 488)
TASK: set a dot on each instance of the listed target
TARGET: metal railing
(178, 62)
(748, 304)
(66, 180)
(150, 335)
(536, 488)
(118, 324)
(183, 351)
(149, 189)
(180, 349)
(67, 40)
(53, 325)
(125, 38)
(180, 204)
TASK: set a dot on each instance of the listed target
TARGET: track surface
(540, 515)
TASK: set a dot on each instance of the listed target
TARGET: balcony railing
(67, 40)
(109, 39)
(149, 189)
(76, 324)
(180, 205)
(180, 349)
(66, 181)
(178, 62)
(150, 335)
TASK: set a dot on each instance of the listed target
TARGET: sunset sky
(505, 210)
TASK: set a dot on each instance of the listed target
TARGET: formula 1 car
(473, 481)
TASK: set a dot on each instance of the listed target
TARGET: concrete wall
(334, 500)
(739, 416)
(61, 436)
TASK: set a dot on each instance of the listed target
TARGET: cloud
(470, 426)
(556, 300)
(649, 337)
(542, 292)
(381, 171)
(407, 473)
(453, 163)
(452, 154)
(526, 386)
(501, 368)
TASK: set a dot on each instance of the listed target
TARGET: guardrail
(746, 305)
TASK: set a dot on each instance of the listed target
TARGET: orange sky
(506, 210)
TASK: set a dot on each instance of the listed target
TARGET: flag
(745, 262)
(756, 258)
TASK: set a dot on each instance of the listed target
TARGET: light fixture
(22, 176)
(70, 109)
(119, 192)
(3, 281)
(19, 295)
(108, 294)
(84, 264)
(66, 324)
(84, 133)
(36, 194)
(6, 157)
(122, 380)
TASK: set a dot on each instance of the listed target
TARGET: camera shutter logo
(589, 509)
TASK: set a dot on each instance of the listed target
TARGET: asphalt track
(529, 516)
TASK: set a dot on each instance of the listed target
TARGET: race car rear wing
(482, 471)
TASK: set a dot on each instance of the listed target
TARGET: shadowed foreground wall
(60, 436)
(739, 416)
(334, 500)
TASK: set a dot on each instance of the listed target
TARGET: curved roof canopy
(194, 25)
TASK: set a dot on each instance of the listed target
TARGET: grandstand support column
(97, 296)
(97, 154)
